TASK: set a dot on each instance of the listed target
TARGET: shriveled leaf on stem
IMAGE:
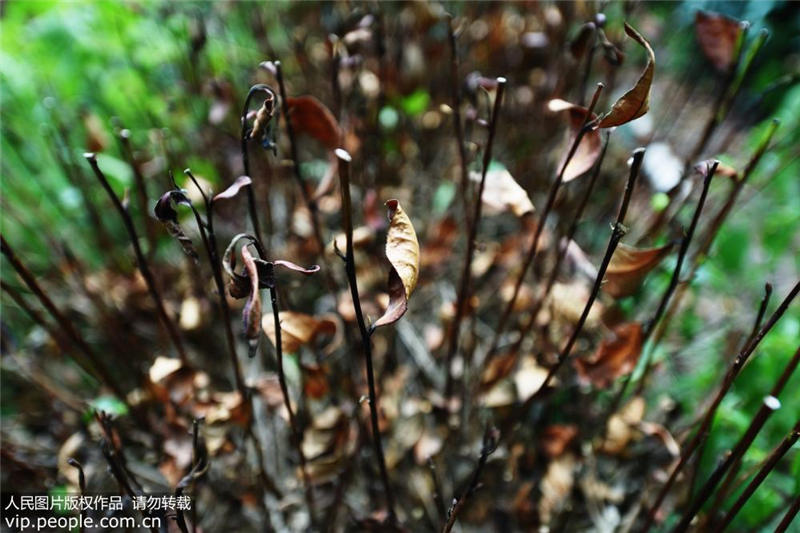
(402, 251)
(723, 171)
(251, 314)
(629, 266)
(614, 357)
(502, 193)
(298, 329)
(588, 150)
(310, 116)
(167, 215)
(634, 103)
(718, 36)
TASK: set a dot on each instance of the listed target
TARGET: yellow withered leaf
(297, 329)
(402, 251)
(634, 103)
(629, 266)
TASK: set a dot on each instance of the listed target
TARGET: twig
(297, 436)
(457, 125)
(727, 382)
(551, 197)
(673, 283)
(723, 491)
(490, 441)
(141, 260)
(617, 232)
(82, 485)
(141, 190)
(570, 234)
(786, 521)
(464, 285)
(773, 459)
(713, 228)
(210, 244)
(350, 269)
(244, 137)
(101, 371)
(311, 204)
(769, 405)
(676, 274)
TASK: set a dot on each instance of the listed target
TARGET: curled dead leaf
(297, 329)
(402, 251)
(723, 170)
(251, 314)
(629, 266)
(634, 103)
(166, 214)
(502, 193)
(590, 147)
(309, 116)
(718, 36)
(613, 358)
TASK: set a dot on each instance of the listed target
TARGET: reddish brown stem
(551, 197)
(769, 405)
(787, 519)
(144, 268)
(617, 232)
(768, 466)
(458, 128)
(297, 435)
(708, 417)
(366, 343)
(464, 285)
(103, 374)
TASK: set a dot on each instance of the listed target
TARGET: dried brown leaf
(588, 150)
(613, 358)
(309, 116)
(629, 266)
(718, 36)
(297, 329)
(634, 103)
(402, 250)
